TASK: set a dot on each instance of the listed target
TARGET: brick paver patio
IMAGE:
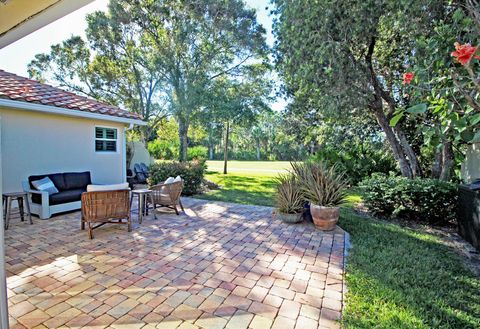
(219, 265)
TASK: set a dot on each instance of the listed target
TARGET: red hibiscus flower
(408, 77)
(464, 53)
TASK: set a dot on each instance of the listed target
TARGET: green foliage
(423, 200)
(289, 198)
(197, 153)
(161, 149)
(356, 148)
(321, 184)
(400, 278)
(191, 172)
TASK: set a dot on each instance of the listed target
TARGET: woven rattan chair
(105, 207)
(167, 195)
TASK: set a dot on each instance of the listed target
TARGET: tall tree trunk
(447, 160)
(225, 149)
(182, 133)
(257, 145)
(437, 164)
(409, 152)
(397, 150)
(210, 152)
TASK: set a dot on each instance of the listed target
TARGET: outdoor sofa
(70, 186)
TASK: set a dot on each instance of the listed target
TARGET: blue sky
(15, 57)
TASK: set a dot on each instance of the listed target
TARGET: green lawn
(264, 168)
(396, 277)
(249, 182)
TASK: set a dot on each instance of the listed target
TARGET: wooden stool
(22, 200)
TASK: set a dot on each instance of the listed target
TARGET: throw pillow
(177, 179)
(45, 184)
(169, 180)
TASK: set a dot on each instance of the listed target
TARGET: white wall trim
(20, 105)
(3, 278)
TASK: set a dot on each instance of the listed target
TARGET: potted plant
(324, 187)
(289, 199)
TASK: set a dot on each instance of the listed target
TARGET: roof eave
(67, 112)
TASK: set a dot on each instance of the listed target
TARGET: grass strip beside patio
(400, 278)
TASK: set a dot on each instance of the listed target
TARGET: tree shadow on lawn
(399, 278)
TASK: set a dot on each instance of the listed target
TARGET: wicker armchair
(167, 195)
(104, 207)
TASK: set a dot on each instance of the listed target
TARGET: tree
(157, 55)
(444, 94)
(196, 42)
(117, 66)
(335, 64)
(238, 101)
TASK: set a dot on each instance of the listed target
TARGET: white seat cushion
(112, 187)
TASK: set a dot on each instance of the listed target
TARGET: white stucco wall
(40, 143)
(140, 154)
(471, 165)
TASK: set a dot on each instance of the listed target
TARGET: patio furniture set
(45, 195)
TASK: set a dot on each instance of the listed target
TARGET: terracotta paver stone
(216, 265)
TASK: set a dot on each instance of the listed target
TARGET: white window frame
(95, 139)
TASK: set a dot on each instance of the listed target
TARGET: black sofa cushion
(66, 196)
(73, 183)
(77, 180)
(57, 179)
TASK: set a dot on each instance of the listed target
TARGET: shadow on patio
(217, 264)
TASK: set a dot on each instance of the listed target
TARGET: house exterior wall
(140, 154)
(41, 143)
(471, 164)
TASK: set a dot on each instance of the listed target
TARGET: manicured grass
(396, 277)
(400, 278)
(264, 168)
(246, 188)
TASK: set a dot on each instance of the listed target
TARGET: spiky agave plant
(321, 184)
(289, 197)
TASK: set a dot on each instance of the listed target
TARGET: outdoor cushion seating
(106, 204)
(70, 187)
(140, 175)
(167, 195)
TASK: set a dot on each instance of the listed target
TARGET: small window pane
(99, 132)
(111, 146)
(111, 133)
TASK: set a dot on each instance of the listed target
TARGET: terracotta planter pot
(324, 218)
(289, 218)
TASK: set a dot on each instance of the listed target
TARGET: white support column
(124, 151)
(3, 278)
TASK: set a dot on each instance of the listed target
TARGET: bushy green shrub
(197, 153)
(162, 150)
(423, 200)
(191, 172)
(358, 162)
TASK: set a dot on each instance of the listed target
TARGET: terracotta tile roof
(18, 88)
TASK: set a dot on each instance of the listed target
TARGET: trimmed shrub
(423, 200)
(191, 173)
(197, 153)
